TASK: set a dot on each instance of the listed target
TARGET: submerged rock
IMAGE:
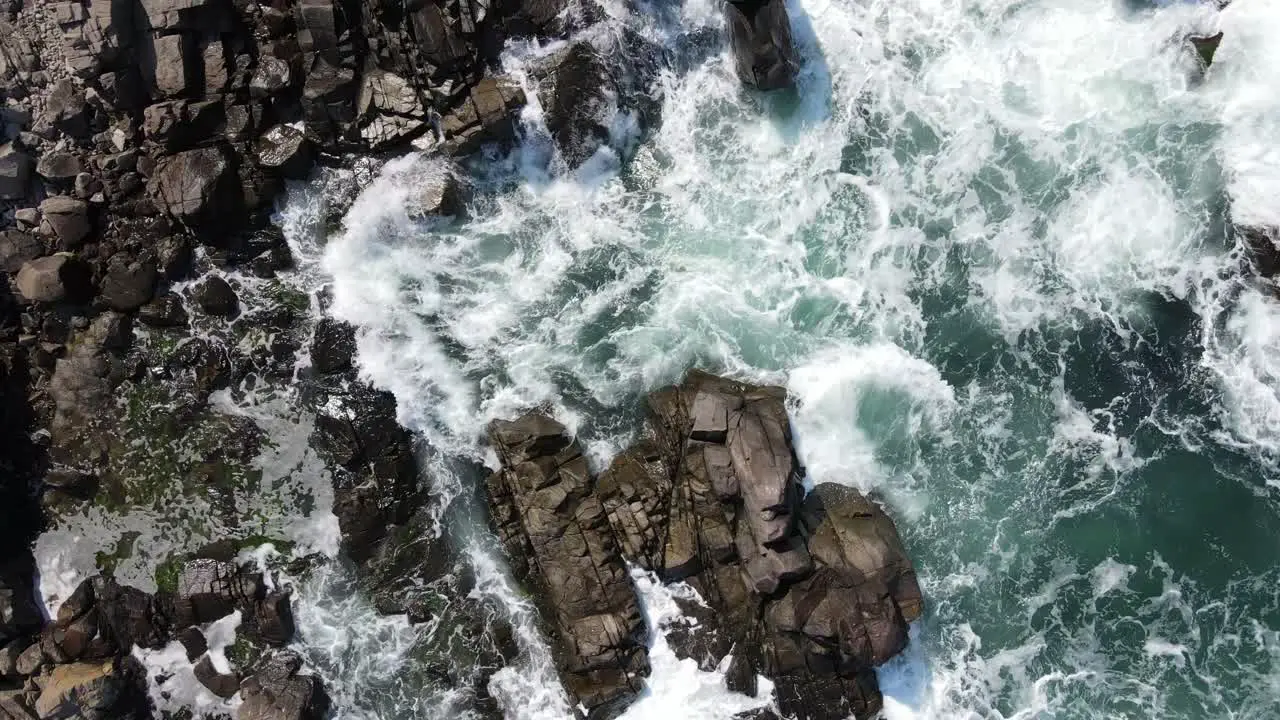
(1206, 46)
(760, 34)
(562, 549)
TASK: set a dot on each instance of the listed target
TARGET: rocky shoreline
(145, 145)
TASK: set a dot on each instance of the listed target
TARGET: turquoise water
(986, 247)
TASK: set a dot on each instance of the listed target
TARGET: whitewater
(985, 244)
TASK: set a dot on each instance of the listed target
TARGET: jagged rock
(196, 186)
(65, 111)
(1264, 246)
(128, 615)
(277, 692)
(93, 41)
(286, 150)
(273, 618)
(164, 311)
(760, 34)
(812, 593)
(272, 75)
(328, 99)
(30, 660)
(179, 125)
(27, 218)
(129, 282)
(184, 14)
(487, 115)
(18, 248)
(214, 60)
(389, 109)
(357, 433)
(16, 705)
(68, 219)
(215, 296)
(59, 166)
(558, 537)
(333, 346)
(54, 278)
(15, 172)
(580, 103)
(9, 655)
(220, 684)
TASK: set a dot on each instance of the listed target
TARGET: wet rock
(580, 103)
(273, 618)
(1264, 246)
(812, 593)
(54, 278)
(760, 34)
(67, 219)
(15, 172)
(285, 150)
(277, 692)
(333, 346)
(127, 615)
(1206, 46)
(270, 77)
(164, 311)
(224, 685)
(128, 283)
(197, 186)
(215, 296)
(194, 642)
(18, 248)
(558, 537)
(442, 195)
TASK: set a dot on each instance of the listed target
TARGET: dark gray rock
(19, 613)
(273, 619)
(271, 76)
(197, 186)
(558, 537)
(580, 102)
(178, 125)
(194, 642)
(220, 684)
(129, 282)
(277, 692)
(215, 296)
(333, 346)
(164, 311)
(488, 114)
(65, 111)
(760, 34)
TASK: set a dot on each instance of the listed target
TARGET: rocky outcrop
(763, 52)
(812, 592)
(561, 546)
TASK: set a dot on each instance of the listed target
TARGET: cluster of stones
(813, 591)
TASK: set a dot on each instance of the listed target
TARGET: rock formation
(763, 52)
(813, 592)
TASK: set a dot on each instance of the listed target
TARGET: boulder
(55, 278)
(285, 150)
(215, 296)
(164, 311)
(197, 186)
(760, 35)
(271, 76)
(580, 102)
(558, 537)
(194, 642)
(129, 282)
(273, 619)
(59, 166)
(224, 685)
(333, 346)
(15, 172)
(65, 111)
(67, 218)
(278, 692)
(209, 590)
(18, 248)
(178, 125)
(83, 380)
(389, 109)
(487, 114)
